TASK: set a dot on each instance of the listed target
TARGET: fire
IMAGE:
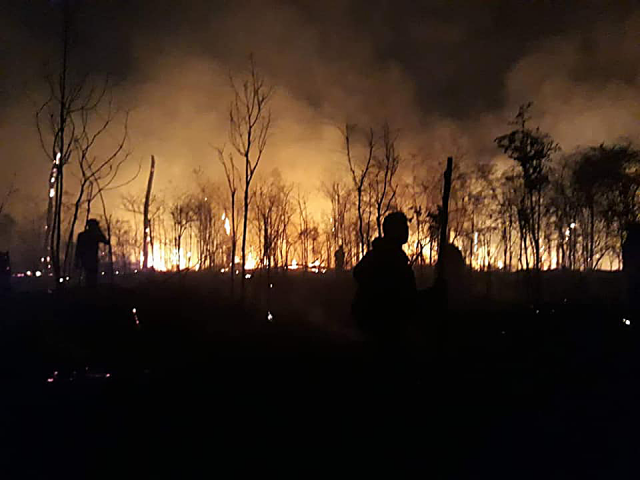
(251, 263)
(161, 262)
(227, 226)
(294, 265)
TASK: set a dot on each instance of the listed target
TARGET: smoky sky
(448, 75)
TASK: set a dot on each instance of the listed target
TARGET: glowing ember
(134, 310)
(247, 276)
(38, 273)
(269, 317)
(626, 321)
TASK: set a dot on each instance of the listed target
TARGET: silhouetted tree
(532, 150)
(609, 177)
(385, 168)
(232, 175)
(182, 213)
(359, 175)
(97, 173)
(146, 221)
(249, 122)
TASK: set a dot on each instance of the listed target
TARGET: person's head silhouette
(395, 228)
(92, 224)
(633, 232)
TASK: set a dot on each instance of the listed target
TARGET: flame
(294, 265)
(251, 262)
(158, 259)
(227, 226)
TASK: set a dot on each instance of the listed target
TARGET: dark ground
(200, 388)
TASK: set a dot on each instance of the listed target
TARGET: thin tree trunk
(444, 225)
(244, 231)
(146, 223)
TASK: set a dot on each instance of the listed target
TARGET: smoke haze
(448, 76)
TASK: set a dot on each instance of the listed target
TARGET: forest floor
(191, 385)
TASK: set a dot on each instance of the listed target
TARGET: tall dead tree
(56, 116)
(249, 122)
(359, 173)
(183, 214)
(231, 174)
(444, 220)
(386, 167)
(146, 224)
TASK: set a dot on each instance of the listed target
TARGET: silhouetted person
(631, 264)
(339, 259)
(5, 272)
(386, 294)
(87, 251)
(450, 282)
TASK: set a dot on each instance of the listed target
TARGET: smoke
(586, 87)
(448, 78)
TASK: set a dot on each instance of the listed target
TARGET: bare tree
(182, 214)
(249, 122)
(273, 212)
(232, 175)
(385, 169)
(208, 223)
(56, 115)
(97, 172)
(304, 228)
(359, 172)
(339, 197)
(69, 124)
(146, 224)
(135, 204)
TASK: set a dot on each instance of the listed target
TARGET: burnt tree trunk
(146, 223)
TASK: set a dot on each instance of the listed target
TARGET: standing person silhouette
(386, 293)
(339, 259)
(631, 265)
(87, 251)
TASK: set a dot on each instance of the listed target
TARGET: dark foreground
(200, 388)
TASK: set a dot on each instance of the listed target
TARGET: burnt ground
(202, 387)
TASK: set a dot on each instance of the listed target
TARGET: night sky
(449, 75)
